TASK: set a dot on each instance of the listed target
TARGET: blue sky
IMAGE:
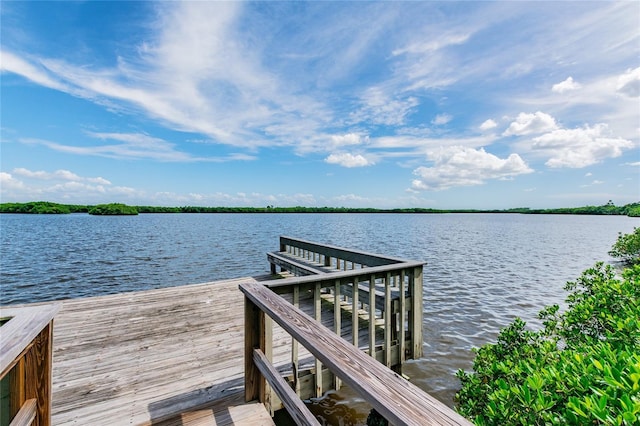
(356, 104)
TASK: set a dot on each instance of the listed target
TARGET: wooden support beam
(387, 320)
(294, 346)
(372, 315)
(317, 311)
(295, 407)
(337, 322)
(27, 415)
(416, 313)
(253, 317)
(354, 312)
(403, 319)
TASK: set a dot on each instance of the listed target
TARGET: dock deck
(192, 355)
(166, 356)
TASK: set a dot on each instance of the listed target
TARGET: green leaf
(597, 364)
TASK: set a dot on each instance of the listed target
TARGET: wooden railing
(383, 293)
(330, 257)
(25, 362)
(399, 401)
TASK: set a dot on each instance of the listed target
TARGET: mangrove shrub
(113, 209)
(627, 247)
(583, 367)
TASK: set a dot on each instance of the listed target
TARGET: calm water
(482, 269)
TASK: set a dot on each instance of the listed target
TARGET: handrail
(399, 401)
(295, 407)
(406, 277)
(25, 360)
(329, 251)
(378, 271)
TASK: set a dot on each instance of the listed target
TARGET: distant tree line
(44, 207)
(113, 209)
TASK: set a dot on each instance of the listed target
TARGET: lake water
(482, 269)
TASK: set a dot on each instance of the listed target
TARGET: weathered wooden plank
(295, 407)
(27, 413)
(399, 401)
(129, 358)
(387, 321)
(291, 264)
(24, 325)
(416, 313)
(358, 256)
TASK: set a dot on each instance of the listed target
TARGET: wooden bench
(298, 267)
(291, 264)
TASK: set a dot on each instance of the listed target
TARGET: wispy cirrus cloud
(30, 69)
(358, 89)
(133, 146)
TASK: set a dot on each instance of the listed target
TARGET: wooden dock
(194, 355)
(167, 356)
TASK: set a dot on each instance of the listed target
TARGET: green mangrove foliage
(44, 207)
(113, 209)
(583, 367)
(627, 247)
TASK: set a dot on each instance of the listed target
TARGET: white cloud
(351, 199)
(527, 124)
(580, 147)
(33, 72)
(460, 166)
(194, 71)
(432, 45)
(348, 139)
(566, 86)
(488, 125)
(60, 186)
(9, 183)
(134, 146)
(442, 119)
(58, 175)
(629, 83)
(380, 107)
(348, 160)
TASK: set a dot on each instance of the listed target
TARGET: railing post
(252, 375)
(294, 345)
(337, 323)
(372, 315)
(416, 313)
(354, 313)
(38, 369)
(258, 332)
(26, 363)
(402, 322)
(387, 320)
(317, 312)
